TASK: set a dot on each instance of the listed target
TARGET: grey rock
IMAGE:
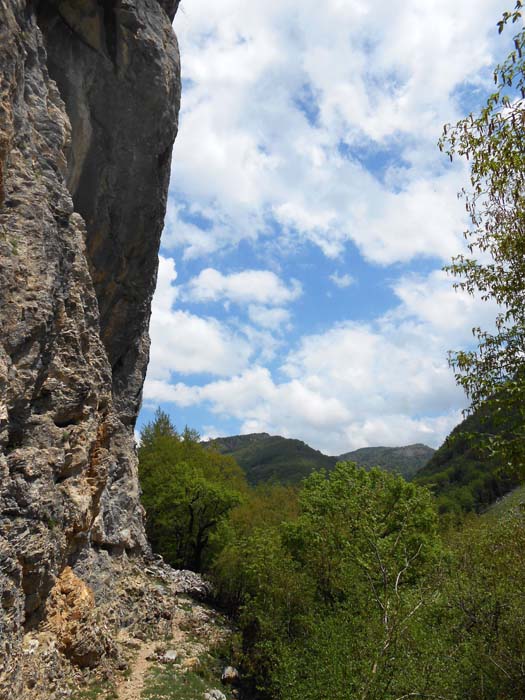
(214, 695)
(230, 675)
(169, 657)
(89, 96)
(180, 580)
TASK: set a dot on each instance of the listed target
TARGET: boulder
(230, 675)
(214, 695)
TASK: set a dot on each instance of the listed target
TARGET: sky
(310, 214)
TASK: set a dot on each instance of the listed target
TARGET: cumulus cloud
(385, 381)
(185, 343)
(247, 286)
(296, 105)
(189, 344)
(272, 318)
(308, 126)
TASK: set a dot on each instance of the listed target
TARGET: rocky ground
(170, 645)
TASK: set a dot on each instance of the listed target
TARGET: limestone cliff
(89, 97)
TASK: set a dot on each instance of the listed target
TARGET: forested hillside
(402, 460)
(266, 457)
(461, 474)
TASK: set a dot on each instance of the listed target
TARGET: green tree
(160, 426)
(369, 541)
(494, 374)
(186, 490)
(263, 510)
(340, 578)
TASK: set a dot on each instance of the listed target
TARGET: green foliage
(461, 475)
(349, 593)
(374, 521)
(339, 579)
(480, 614)
(366, 539)
(343, 588)
(493, 375)
(262, 512)
(186, 490)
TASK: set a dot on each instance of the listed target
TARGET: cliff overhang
(89, 99)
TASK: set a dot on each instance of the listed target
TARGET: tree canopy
(186, 491)
(493, 374)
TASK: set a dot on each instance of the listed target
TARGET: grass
(514, 499)
(96, 691)
(167, 682)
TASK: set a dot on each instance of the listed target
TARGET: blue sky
(310, 213)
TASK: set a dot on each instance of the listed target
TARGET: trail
(131, 688)
(194, 630)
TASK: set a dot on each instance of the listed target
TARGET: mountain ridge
(265, 457)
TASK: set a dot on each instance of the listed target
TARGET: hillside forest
(349, 584)
(349, 580)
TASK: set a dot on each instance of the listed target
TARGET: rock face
(71, 617)
(89, 97)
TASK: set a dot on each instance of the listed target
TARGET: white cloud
(302, 124)
(255, 143)
(185, 343)
(342, 281)
(272, 318)
(247, 286)
(165, 292)
(432, 300)
(382, 382)
(189, 344)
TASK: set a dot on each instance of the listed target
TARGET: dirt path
(131, 688)
(195, 629)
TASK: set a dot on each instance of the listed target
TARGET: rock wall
(89, 97)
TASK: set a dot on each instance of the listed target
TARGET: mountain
(462, 478)
(265, 457)
(404, 460)
(460, 475)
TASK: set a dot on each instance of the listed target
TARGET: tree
(494, 374)
(328, 589)
(186, 490)
(369, 540)
(160, 426)
(264, 509)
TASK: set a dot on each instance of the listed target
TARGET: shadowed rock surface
(89, 97)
